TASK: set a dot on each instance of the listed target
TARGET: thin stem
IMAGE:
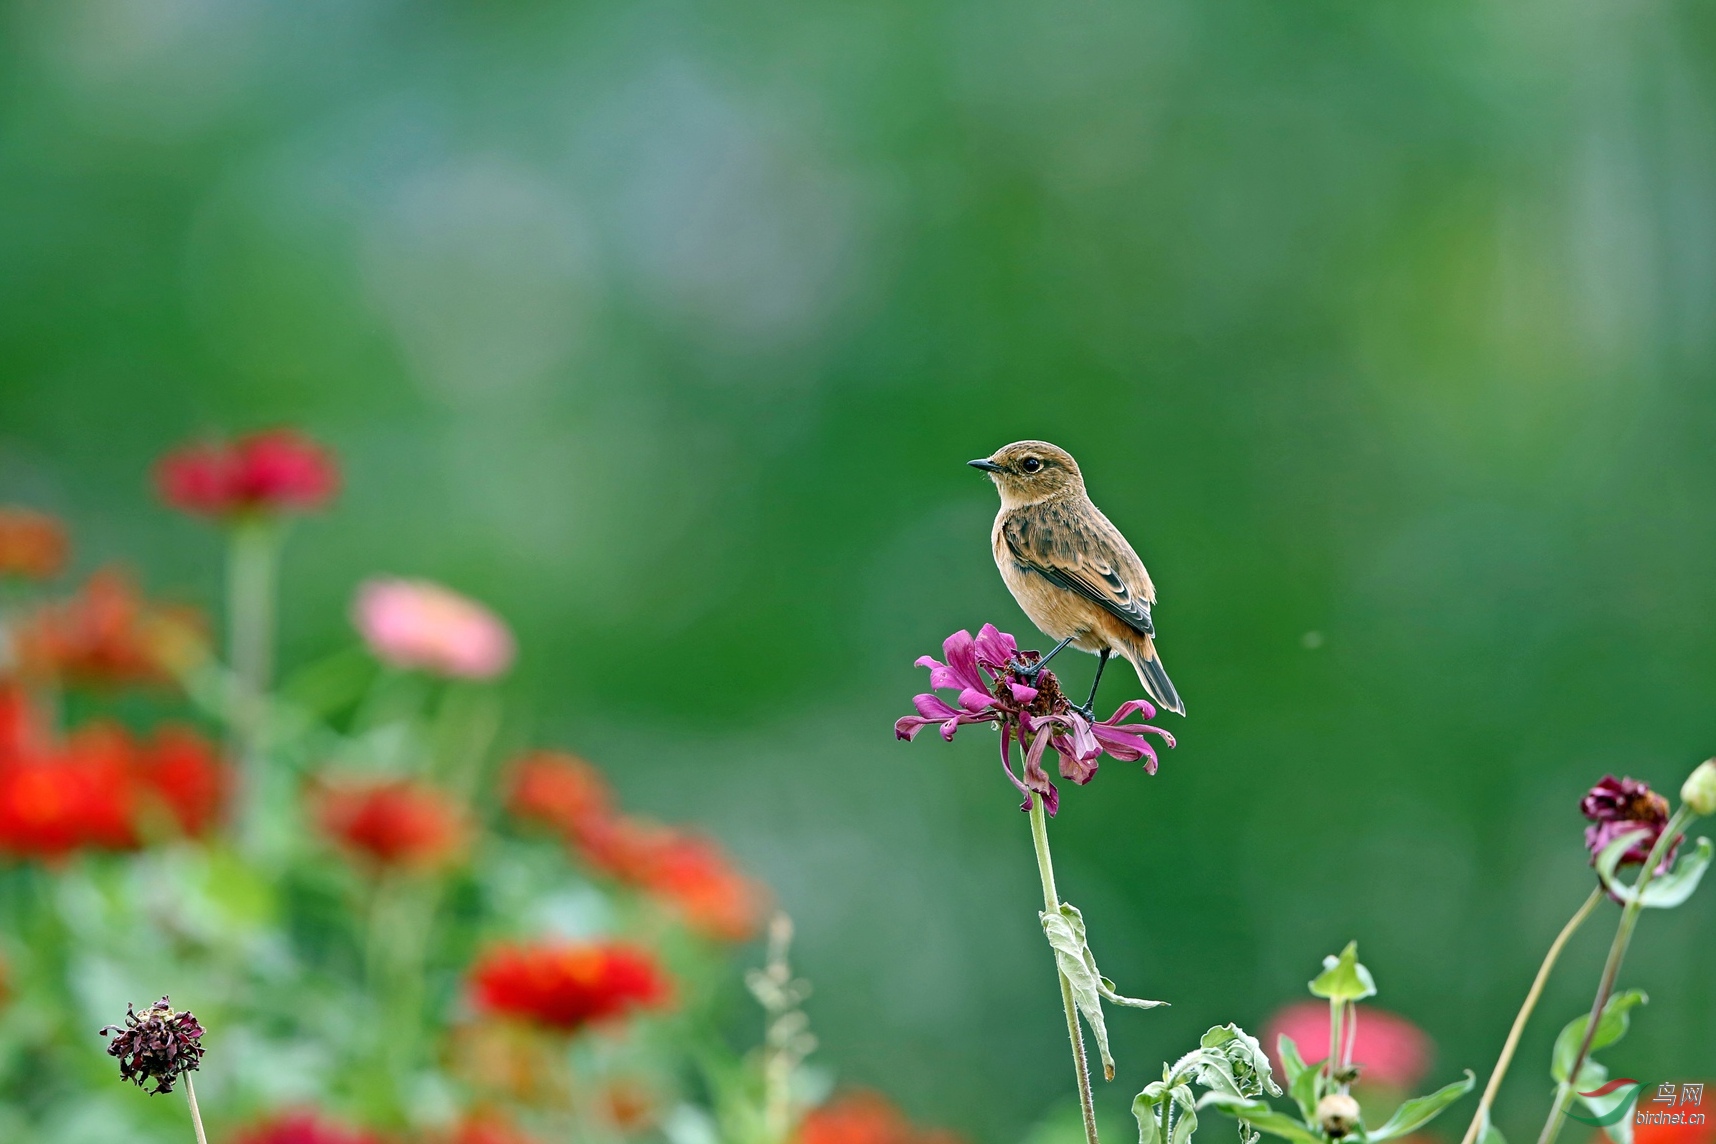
(196, 1115)
(1481, 1117)
(1335, 1018)
(1611, 970)
(1052, 904)
(253, 552)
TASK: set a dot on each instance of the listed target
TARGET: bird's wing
(1074, 546)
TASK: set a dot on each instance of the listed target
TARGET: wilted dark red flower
(1389, 1049)
(567, 985)
(303, 1127)
(397, 823)
(107, 635)
(32, 544)
(865, 1118)
(984, 672)
(279, 470)
(155, 1046)
(1618, 806)
(182, 773)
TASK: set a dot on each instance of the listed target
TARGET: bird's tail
(1142, 655)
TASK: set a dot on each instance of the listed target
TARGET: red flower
(393, 823)
(559, 790)
(78, 794)
(32, 544)
(107, 635)
(1391, 1049)
(279, 470)
(694, 876)
(1668, 1133)
(302, 1127)
(183, 773)
(865, 1118)
(568, 985)
(489, 1128)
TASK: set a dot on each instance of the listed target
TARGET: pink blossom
(419, 624)
(1390, 1049)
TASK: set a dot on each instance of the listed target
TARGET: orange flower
(628, 1105)
(489, 1127)
(107, 635)
(559, 790)
(32, 544)
(865, 1118)
(397, 823)
(568, 985)
(694, 876)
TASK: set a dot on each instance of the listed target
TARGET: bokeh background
(1386, 332)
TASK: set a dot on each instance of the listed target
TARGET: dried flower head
(1619, 806)
(279, 470)
(565, 986)
(32, 544)
(419, 625)
(1338, 1115)
(984, 672)
(156, 1046)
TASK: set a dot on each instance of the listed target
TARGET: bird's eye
(1030, 464)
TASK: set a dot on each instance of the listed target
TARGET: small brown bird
(1070, 569)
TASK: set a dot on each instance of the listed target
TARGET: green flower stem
(1611, 970)
(196, 1115)
(253, 560)
(1524, 1015)
(1052, 904)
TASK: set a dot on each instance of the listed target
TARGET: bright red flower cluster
(866, 1118)
(567, 985)
(32, 544)
(107, 635)
(688, 872)
(303, 1127)
(393, 823)
(100, 788)
(279, 470)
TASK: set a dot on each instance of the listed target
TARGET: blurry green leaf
(332, 684)
(1301, 1078)
(1610, 1028)
(237, 889)
(1066, 934)
(1344, 978)
(1621, 1130)
(1664, 892)
(1419, 1111)
(1488, 1133)
(1262, 1117)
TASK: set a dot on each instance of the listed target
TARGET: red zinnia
(393, 823)
(568, 985)
(78, 794)
(559, 790)
(865, 1118)
(183, 772)
(107, 635)
(302, 1128)
(32, 544)
(279, 470)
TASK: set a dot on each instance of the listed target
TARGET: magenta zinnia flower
(991, 689)
(1618, 806)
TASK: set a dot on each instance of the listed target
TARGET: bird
(1071, 570)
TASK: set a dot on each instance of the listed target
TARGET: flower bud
(1337, 1114)
(1699, 792)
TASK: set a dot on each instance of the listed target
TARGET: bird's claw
(1026, 671)
(1088, 711)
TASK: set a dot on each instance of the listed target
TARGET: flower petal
(961, 652)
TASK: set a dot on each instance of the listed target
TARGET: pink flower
(1391, 1049)
(418, 624)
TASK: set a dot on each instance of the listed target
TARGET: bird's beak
(985, 464)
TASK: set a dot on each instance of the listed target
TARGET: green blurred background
(1385, 331)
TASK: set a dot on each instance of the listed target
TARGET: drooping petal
(931, 706)
(1022, 695)
(961, 652)
(941, 675)
(1074, 768)
(1036, 778)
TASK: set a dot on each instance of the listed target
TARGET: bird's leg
(1031, 671)
(1089, 708)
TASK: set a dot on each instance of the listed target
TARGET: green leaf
(1419, 1111)
(1262, 1117)
(1621, 1131)
(1488, 1133)
(1610, 1028)
(1188, 1119)
(1246, 1065)
(1665, 891)
(1066, 934)
(1301, 1078)
(1344, 978)
(1144, 1107)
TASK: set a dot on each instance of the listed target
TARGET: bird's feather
(1085, 554)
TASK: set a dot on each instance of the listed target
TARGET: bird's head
(1027, 472)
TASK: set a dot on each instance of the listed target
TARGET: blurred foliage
(1384, 331)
